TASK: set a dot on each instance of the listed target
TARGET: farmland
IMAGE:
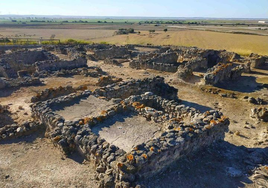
(240, 43)
(241, 36)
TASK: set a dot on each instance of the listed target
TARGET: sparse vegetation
(123, 31)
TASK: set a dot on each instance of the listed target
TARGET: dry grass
(63, 34)
(240, 43)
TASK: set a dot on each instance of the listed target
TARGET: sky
(141, 8)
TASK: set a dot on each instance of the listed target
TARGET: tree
(151, 31)
(166, 30)
(130, 30)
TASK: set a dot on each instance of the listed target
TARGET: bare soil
(34, 162)
(127, 131)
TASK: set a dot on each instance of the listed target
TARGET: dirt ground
(32, 161)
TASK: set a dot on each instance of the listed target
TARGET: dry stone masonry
(166, 61)
(130, 129)
(183, 129)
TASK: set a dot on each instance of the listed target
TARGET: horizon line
(164, 17)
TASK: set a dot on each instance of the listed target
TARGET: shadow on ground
(245, 84)
(6, 119)
(211, 168)
(29, 138)
(9, 91)
(199, 107)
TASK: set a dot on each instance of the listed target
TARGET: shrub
(75, 42)
(103, 42)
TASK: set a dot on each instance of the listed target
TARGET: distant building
(262, 22)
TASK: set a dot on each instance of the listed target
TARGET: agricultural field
(243, 37)
(239, 43)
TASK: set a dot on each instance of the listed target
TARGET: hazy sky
(151, 8)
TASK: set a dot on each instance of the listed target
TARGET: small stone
(252, 100)
(109, 171)
(237, 133)
(111, 158)
(19, 130)
(100, 169)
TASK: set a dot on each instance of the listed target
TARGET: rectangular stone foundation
(136, 138)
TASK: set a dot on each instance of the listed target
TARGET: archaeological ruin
(130, 129)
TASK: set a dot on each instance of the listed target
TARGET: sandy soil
(34, 162)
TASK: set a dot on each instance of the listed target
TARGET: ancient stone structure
(260, 113)
(223, 72)
(113, 52)
(22, 60)
(60, 64)
(52, 93)
(166, 61)
(182, 129)
(258, 61)
(184, 73)
(212, 56)
(19, 82)
(14, 130)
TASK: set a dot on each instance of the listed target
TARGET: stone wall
(16, 130)
(185, 130)
(179, 139)
(113, 164)
(133, 87)
(122, 90)
(166, 61)
(258, 62)
(185, 69)
(11, 63)
(260, 114)
(223, 72)
(52, 93)
(60, 64)
(113, 52)
(19, 82)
